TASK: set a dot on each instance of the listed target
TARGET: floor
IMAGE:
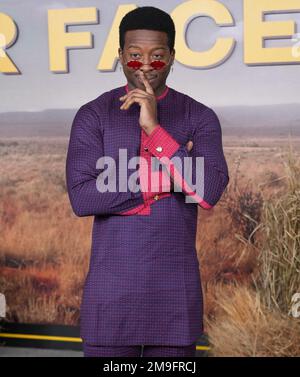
(37, 352)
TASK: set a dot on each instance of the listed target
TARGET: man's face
(146, 46)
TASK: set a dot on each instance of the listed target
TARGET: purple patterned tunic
(143, 285)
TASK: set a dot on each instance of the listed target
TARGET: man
(143, 288)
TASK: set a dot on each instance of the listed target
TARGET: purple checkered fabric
(143, 285)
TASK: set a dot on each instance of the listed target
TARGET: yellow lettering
(256, 29)
(8, 36)
(223, 47)
(60, 40)
(110, 51)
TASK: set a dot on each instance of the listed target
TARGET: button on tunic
(143, 285)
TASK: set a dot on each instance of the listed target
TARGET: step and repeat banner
(239, 57)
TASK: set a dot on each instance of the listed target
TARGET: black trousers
(139, 351)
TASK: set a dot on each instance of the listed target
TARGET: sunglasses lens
(134, 64)
(157, 64)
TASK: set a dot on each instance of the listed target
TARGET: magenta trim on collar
(164, 93)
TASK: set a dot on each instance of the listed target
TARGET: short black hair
(149, 18)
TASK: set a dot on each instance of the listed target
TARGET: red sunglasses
(136, 64)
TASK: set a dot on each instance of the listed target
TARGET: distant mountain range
(277, 120)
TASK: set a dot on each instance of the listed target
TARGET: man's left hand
(147, 101)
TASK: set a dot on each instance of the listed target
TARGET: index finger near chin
(148, 87)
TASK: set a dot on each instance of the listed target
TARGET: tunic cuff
(160, 143)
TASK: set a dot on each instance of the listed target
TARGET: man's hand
(147, 101)
(148, 114)
(189, 145)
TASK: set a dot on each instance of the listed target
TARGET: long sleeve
(207, 143)
(84, 150)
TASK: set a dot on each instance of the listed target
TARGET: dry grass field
(44, 247)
